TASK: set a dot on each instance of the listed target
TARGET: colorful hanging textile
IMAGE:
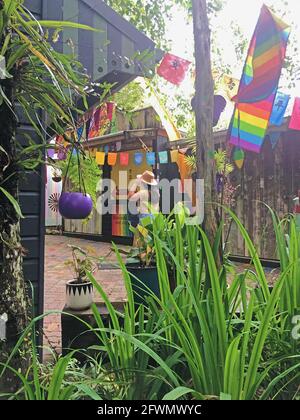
(150, 158)
(173, 68)
(274, 137)
(100, 158)
(279, 108)
(110, 108)
(174, 156)
(295, 118)
(112, 158)
(163, 157)
(138, 158)
(238, 157)
(99, 122)
(62, 154)
(124, 158)
(256, 94)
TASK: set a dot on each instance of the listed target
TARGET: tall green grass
(207, 338)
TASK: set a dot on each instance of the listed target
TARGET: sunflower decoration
(53, 202)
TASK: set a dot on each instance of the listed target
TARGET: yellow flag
(100, 158)
(230, 86)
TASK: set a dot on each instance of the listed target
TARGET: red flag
(173, 68)
(295, 118)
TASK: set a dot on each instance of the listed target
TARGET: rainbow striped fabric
(259, 82)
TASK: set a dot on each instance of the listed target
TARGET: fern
(84, 177)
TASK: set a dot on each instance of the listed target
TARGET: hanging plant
(80, 178)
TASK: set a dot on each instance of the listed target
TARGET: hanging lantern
(75, 205)
(238, 157)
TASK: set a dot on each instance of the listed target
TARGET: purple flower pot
(75, 205)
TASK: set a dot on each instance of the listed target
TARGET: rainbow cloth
(259, 82)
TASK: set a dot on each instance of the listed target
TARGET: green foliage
(206, 339)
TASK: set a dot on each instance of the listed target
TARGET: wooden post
(204, 114)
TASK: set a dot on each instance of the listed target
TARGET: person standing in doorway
(144, 195)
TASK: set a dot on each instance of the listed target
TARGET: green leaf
(62, 24)
(13, 202)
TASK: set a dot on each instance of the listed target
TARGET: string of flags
(138, 158)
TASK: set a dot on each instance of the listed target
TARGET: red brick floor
(57, 274)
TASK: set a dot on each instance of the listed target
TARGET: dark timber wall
(32, 190)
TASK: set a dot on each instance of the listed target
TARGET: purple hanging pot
(75, 205)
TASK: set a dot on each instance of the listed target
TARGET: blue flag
(163, 157)
(150, 156)
(279, 108)
(138, 158)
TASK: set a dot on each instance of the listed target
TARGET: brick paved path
(57, 274)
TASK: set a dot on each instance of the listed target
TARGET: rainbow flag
(259, 82)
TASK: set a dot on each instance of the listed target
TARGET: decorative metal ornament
(53, 202)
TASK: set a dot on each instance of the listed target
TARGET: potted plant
(80, 175)
(140, 263)
(79, 290)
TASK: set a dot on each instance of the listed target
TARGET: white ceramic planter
(79, 296)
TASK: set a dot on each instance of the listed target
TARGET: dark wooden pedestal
(76, 335)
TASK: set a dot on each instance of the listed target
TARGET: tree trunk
(204, 115)
(13, 294)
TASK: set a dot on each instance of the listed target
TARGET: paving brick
(57, 274)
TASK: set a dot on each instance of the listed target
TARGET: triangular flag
(150, 157)
(238, 157)
(100, 158)
(163, 157)
(124, 158)
(173, 68)
(230, 85)
(295, 118)
(279, 108)
(138, 158)
(274, 137)
(112, 158)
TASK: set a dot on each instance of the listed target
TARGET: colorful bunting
(112, 158)
(256, 94)
(173, 68)
(138, 158)
(150, 158)
(99, 122)
(279, 108)
(295, 118)
(265, 59)
(174, 156)
(238, 157)
(100, 158)
(274, 137)
(230, 86)
(124, 158)
(163, 157)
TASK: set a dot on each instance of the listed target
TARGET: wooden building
(112, 56)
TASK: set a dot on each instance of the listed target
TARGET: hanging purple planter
(75, 205)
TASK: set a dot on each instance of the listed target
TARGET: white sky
(242, 12)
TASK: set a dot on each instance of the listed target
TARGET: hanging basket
(75, 205)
